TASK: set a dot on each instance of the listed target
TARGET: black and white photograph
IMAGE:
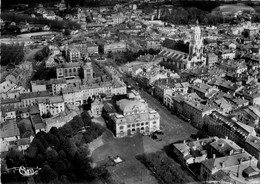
(130, 91)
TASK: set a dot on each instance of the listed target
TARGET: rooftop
(9, 128)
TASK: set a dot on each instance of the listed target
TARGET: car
(159, 132)
(154, 136)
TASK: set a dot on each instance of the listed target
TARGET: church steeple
(196, 45)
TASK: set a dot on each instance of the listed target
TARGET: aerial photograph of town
(130, 91)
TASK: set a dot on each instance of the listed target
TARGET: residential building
(97, 107)
(211, 59)
(54, 105)
(115, 47)
(68, 70)
(30, 99)
(193, 152)
(72, 95)
(252, 146)
(203, 90)
(226, 54)
(237, 168)
(54, 86)
(8, 112)
(59, 120)
(221, 126)
(73, 54)
(9, 131)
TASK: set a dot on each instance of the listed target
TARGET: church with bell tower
(189, 58)
(196, 49)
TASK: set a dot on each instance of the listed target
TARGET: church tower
(196, 46)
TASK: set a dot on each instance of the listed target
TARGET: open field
(130, 170)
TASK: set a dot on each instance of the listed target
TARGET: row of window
(70, 70)
(137, 124)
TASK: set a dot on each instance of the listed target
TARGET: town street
(174, 128)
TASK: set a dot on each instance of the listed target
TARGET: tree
(66, 130)
(101, 50)
(61, 168)
(69, 148)
(62, 155)
(48, 174)
(94, 131)
(76, 124)
(14, 158)
(64, 179)
(39, 160)
(11, 54)
(51, 154)
(67, 32)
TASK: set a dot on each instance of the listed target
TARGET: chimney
(231, 152)
(242, 150)
(226, 137)
(184, 141)
(214, 155)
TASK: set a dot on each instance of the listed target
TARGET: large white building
(134, 116)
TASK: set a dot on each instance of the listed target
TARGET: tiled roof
(9, 129)
(38, 94)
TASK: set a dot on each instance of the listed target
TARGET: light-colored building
(115, 47)
(134, 116)
(68, 70)
(193, 152)
(73, 54)
(54, 105)
(227, 54)
(9, 131)
(54, 86)
(221, 126)
(237, 168)
(97, 107)
(8, 112)
(73, 95)
(30, 99)
(252, 146)
(59, 120)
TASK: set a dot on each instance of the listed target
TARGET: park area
(130, 170)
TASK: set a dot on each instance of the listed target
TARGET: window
(146, 123)
(137, 124)
(121, 127)
(133, 125)
(142, 124)
(128, 126)
(74, 69)
(154, 122)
